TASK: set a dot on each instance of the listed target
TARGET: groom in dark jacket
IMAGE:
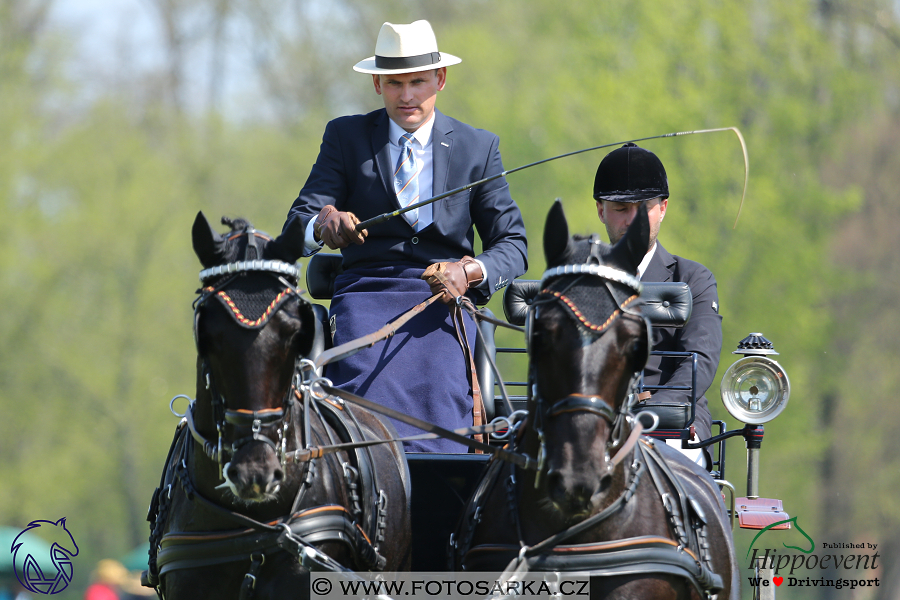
(391, 158)
(627, 177)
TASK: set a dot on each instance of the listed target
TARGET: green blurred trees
(98, 198)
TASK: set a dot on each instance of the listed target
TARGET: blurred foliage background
(106, 157)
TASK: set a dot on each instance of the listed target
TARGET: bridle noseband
(581, 403)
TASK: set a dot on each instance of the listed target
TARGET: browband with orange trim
(265, 316)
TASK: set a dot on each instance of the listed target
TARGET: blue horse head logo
(37, 571)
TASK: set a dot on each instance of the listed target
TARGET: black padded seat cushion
(671, 415)
(321, 272)
(666, 304)
(517, 298)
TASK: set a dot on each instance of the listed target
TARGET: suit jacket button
(415, 240)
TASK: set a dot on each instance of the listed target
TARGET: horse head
(251, 328)
(586, 340)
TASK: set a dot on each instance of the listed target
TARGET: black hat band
(632, 195)
(406, 62)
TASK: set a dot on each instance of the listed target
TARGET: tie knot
(406, 140)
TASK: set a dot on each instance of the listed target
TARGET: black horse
(639, 516)
(248, 505)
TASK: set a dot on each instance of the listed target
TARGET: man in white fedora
(393, 157)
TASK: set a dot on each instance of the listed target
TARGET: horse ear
(288, 246)
(209, 246)
(631, 249)
(557, 243)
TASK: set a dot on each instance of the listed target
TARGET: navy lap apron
(420, 371)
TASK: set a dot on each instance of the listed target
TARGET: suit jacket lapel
(661, 266)
(381, 149)
(441, 147)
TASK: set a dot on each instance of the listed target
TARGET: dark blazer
(702, 334)
(353, 172)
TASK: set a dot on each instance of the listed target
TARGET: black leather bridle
(593, 404)
(257, 425)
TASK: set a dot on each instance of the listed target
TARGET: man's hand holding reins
(455, 279)
(337, 229)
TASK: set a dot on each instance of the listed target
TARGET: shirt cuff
(310, 245)
(483, 284)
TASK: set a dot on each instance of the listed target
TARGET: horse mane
(237, 224)
(234, 249)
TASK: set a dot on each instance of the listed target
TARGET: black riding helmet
(630, 174)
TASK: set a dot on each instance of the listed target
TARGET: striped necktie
(406, 179)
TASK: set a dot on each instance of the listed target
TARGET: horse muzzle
(254, 474)
(576, 495)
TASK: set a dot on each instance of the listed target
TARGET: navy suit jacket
(702, 334)
(353, 172)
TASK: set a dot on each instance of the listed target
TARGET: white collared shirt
(646, 261)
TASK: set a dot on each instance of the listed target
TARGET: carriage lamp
(755, 389)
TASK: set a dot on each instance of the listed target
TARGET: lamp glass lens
(755, 389)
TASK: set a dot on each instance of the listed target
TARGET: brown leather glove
(338, 229)
(459, 275)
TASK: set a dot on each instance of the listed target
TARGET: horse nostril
(231, 472)
(605, 482)
(278, 476)
(553, 478)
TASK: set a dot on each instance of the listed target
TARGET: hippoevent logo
(39, 569)
(850, 570)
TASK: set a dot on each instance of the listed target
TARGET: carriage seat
(666, 304)
(321, 272)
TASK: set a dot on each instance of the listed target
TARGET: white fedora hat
(406, 49)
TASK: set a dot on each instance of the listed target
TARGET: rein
(353, 346)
